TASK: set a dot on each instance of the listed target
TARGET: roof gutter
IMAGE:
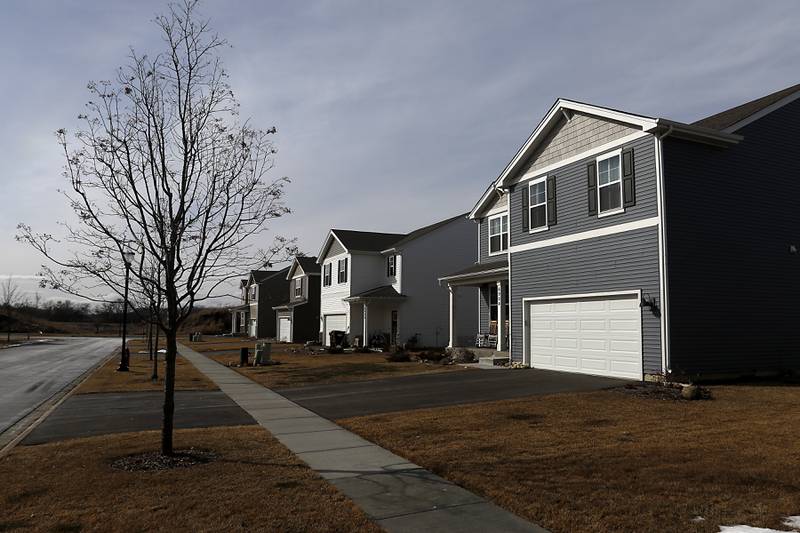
(664, 127)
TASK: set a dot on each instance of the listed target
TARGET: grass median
(255, 483)
(138, 378)
(607, 461)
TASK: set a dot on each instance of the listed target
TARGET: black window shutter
(628, 179)
(291, 287)
(345, 269)
(551, 200)
(388, 265)
(591, 177)
(526, 192)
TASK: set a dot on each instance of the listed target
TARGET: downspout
(665, 337)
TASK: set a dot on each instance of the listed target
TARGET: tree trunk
(169, 392)
(150, 338)
(154, 377)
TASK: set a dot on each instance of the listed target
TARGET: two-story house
(633, 246)
(260, 292)
(386, 284)
(298, 317)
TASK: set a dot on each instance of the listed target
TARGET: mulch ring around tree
(155, 461)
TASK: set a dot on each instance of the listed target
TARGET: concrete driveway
(343, 400)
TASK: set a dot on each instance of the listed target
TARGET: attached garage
(284, 329)
(592, 334)
(334, 323)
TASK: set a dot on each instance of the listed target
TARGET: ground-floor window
(493, 301)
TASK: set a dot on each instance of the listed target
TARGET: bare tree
(9, 298)
(164, 167)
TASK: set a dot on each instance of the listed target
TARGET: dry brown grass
(297, 370)
(607, 461)
(255, 484)
(107, 379)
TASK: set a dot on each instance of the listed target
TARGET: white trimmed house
(386, 284)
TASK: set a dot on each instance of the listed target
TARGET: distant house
(385, 285)
(298, 317)
(260, 292)
(632, 246)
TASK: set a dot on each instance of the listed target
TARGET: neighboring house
(633, 246)
(255, 316)
(387, 283)
(298, 317)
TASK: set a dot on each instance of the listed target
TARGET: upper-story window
(342, 278)
(537, 206)
(391, 266)
(298, 287)
(498, 234)
(609, 184)
(326, 275)
(253, 293)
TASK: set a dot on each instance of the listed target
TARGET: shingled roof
(366, 241)
(729, 117)
(308, 264)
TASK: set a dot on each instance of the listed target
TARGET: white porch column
(364, 339)
(501, 318)
(453, 332)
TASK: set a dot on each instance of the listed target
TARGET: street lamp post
(125, 355)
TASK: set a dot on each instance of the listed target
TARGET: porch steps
(492, 361)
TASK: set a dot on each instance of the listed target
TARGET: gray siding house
(298, 317)
(255, 316)
(639, 247)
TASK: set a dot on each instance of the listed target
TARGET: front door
(394, 328)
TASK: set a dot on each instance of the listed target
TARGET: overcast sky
(390, 115)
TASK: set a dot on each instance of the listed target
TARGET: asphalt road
(343, 400)
(85, 415)
(31, 374)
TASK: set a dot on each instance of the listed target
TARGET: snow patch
(790, 521)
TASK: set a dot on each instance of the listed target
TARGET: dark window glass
(610, 197)
(538, 216)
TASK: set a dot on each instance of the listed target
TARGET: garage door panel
(595, 335)
(334, 323)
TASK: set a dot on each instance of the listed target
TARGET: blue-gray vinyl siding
(620, 262)
(571, 198)
(731, 216)
(484, 316)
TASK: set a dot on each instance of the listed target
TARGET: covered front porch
(375, 316)
(491, 278)
(240, 316)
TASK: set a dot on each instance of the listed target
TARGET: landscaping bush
(431, 356)
(398, 357)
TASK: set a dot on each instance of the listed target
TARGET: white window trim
(621, 208)
(489, 234)
(546, 226)
(298, 287)
(329, 274)
(339, 271)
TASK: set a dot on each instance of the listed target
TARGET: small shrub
(335, 349)
(433, 356)
(398, 357)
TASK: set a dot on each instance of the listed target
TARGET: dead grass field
(256, 485)
(607, 461)
(107, 379)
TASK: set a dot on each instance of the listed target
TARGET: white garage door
(284, 329)
(595, 335)
(334, 323)
(253, 327)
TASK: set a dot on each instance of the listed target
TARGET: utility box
(263, 353)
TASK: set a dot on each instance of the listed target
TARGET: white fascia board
(555, 112)
(331, 235)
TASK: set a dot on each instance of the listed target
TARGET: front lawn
(297, 368)
(107, 379)
(610, 461)
(254, 484)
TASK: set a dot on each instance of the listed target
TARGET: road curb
(22, 427)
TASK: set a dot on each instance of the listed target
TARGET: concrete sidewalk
(398, 495)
